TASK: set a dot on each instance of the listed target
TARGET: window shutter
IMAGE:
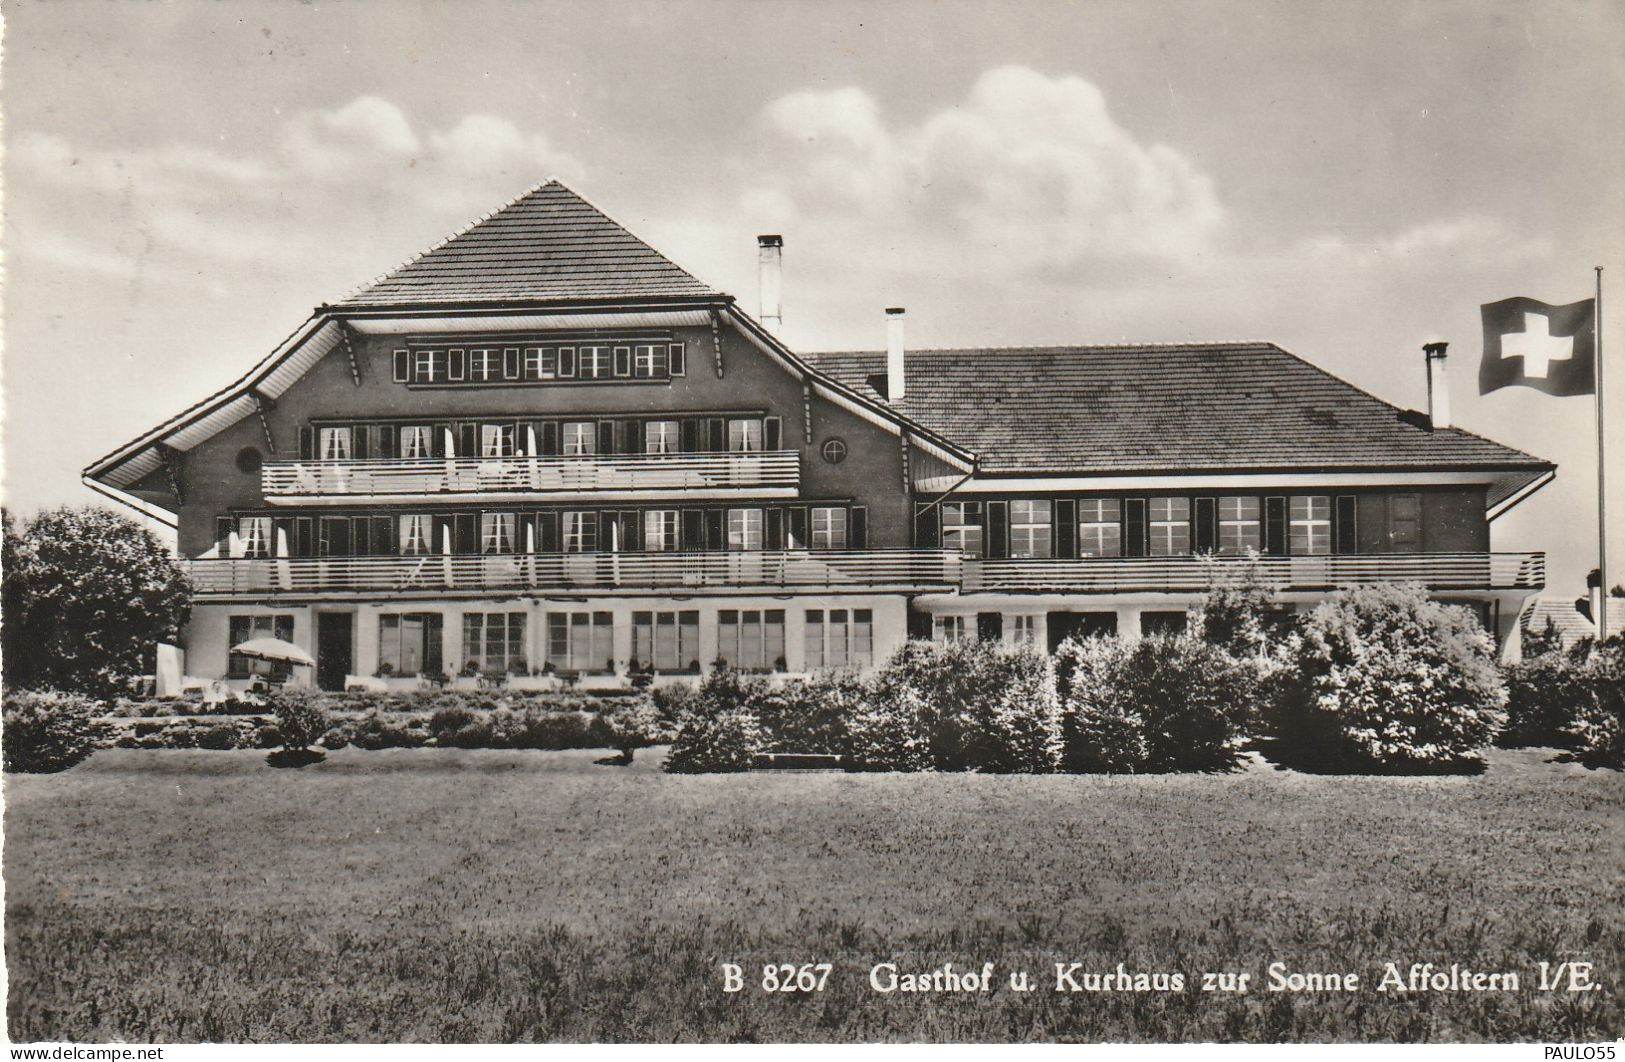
(679, 364)
(1066, 527)
(307, 442)
(567, 362)
(437, 439)
(304, 537)
(383, 536)
(634, 436)
(927, 525)
(456, 364)
(623, 361)
(547, 532)
(717, 430)
(468, 440)
(403, 366)
(690, 432)
(222, 536)
(1345, 528)
(772, 433)
(1275, 526)
(361, 444)
(1206, 535)
(693, 535)
(386, 441)
(465, 533)
(798, 527)
(550, 438)
(510, 363)
(282, 536)
(607, 540)
(773, 536)
(858, 536)
(1134, 527)
(631, 540)
(361, 536)
(716, 536)
(606, 436)
(998, 529)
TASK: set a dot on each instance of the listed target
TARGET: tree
(1239, 607)
(87, 594)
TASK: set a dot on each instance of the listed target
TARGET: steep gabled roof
(548, 245)
(1174, 408)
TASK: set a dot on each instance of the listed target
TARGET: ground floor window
(1162, 622)
(751, 639)
(1309, 530)
(241, 628)
(580, 641)
(494, 641)
(666, 641)
(952, 629)
(840, 637)
(1023, 629)
(409, 643)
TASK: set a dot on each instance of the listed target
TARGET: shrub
(336, 738)
(889, 729)
(268, 736)
(221, 736)
(637, 724)
(727, 741)
(1382, 676)
(375, 731)
(1599, 723)
(1546, 695)
(1239, 612)
(1158, 703)
(300, 716)
(811, 715)
(448, 720)
(978, 706)
(46, 732)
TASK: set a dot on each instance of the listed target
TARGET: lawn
(485, 895)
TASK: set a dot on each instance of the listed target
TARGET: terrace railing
(891, 569)
(1437, 571)
(759, 472)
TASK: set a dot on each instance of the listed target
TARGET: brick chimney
(1438, 385)
(770, 280)
(894, 353)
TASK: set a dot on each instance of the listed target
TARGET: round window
(248, 459)
(834, 451)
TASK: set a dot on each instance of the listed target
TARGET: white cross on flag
(1530, 343)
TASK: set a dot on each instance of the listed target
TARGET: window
(417, 440)
(429, 366)
(580, 532)
(496, 440)
(1170, 526)
(834, 451)
(484, 364)
(580, 641)
(744, 529)
(962, 527)
(1405, 523)
(952, 629)
(840, 637)
(494, 641)
(751, 640)
(409, 643)
(1029, 528)
(417, 535)
(1100, 527)
(649, 361)
(661, 437)
(1162, 623)
(254, 532)
(596, 363)
(334, 444)
(496, 532)
(241, 628)
(1239, 527)
(1309, 524)
(667, 641)
(540, 363)
(1022, 629)
(580, 437)
(660, 530)
(745, 435)
(828, 527)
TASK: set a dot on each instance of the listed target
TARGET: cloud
(1028, 167)
(1478, 237)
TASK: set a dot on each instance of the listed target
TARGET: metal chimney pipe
(894, 353)
(770, 280)
(1438, 385)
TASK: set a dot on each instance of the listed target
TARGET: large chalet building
(542, 448)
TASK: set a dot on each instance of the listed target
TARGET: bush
(637, 724)
(375, 731)
(1381, 676)
(221, 736)
(727, 741)
(300, 716)
(47, 731)
(1599, 724)
(1546, 695)
(1159, 703)
(977, 706)
(268, 736)
(447, 721)
(811, 715)
(889, 729)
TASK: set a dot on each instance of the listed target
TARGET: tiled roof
(1571, 623)
(1191, 407)
(549, 244)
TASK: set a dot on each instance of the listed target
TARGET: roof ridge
(613, 220)
(532, 190)
(1222, 344)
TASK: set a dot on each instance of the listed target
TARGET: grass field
(448, 895)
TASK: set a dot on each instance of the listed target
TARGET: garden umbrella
(273, 649)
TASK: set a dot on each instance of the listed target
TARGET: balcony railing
(1437, 571)
(767, 570)
(768, 472)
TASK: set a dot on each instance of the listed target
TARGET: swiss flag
(1530, 343)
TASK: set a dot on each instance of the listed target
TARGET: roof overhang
(1265, 479)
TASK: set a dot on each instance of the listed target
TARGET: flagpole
(1602, 466)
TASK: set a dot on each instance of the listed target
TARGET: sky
(185, 181)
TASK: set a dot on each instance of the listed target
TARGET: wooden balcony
(768, 571)
(772, 473)
(1096, 575)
